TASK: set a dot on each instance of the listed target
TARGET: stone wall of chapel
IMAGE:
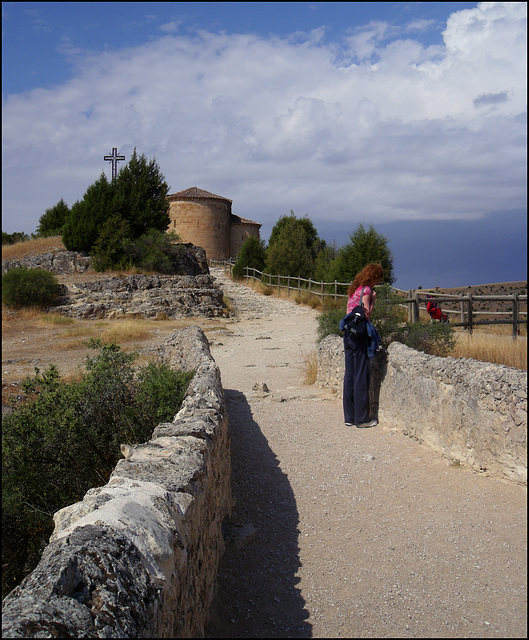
(239, 233)
(205, 223)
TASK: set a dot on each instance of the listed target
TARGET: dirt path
(358, 533)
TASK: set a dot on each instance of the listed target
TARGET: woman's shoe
(367, 425)
(349, 424)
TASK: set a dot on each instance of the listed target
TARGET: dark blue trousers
(356, 380)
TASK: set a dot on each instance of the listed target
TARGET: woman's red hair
(366, 277)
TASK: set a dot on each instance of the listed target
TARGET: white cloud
(403, 133)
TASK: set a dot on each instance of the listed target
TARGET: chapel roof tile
(195, 192)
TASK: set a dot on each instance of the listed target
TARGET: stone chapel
(206, 220)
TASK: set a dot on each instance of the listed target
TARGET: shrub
(435, 338)
(22, 287)
(154, 251)
(328, 322)
(64, 439)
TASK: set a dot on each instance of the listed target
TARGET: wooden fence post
(470, 318)
(416, 307)
(515, 316)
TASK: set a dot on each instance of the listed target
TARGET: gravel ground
(350, 533)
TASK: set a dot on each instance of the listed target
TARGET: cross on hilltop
(114, 159)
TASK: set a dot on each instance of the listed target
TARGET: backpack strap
(361, 297)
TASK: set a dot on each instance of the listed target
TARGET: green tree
(52, 221)
(324, 258)
(365, 247)
(289, 253)
(294, 246)
(138, 196)
(12, 238)
(109, 249)
(87, 217)
(252, 254)
(311, 234)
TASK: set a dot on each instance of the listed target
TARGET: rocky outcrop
(138, 557)
(190, 291)
(142, 296)
(58, 262)
(188, 260)
(471, 412)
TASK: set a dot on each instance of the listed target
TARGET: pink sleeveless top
(354, 300)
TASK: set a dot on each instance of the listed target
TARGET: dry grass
(304, 298)
(32, 248)
(310, 368)
(492, 345)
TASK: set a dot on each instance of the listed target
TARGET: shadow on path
(257, 583)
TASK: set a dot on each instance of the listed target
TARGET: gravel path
(353, 533)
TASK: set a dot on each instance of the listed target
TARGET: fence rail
(466, 312)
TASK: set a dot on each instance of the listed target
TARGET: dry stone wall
(471, 412)
(138, 557)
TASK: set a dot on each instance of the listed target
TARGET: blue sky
(407, 116)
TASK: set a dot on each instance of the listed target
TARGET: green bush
(154, 251)
(328, 322)
(64, 439)
(435, 338)
(22, 287)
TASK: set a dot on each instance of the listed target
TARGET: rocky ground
(346, 532)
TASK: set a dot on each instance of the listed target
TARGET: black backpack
(355, 322)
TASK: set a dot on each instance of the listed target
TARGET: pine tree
(365, 247)
(252, 254)
(138, 196)
(52, 221)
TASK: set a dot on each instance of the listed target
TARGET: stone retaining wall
(138, 557)
(471, 412)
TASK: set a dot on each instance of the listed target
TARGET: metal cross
(114, 159)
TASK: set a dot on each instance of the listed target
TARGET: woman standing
(356, 379)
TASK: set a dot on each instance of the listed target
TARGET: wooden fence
(412, 299)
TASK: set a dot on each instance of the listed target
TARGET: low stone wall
(469, 411)
(138, 557)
